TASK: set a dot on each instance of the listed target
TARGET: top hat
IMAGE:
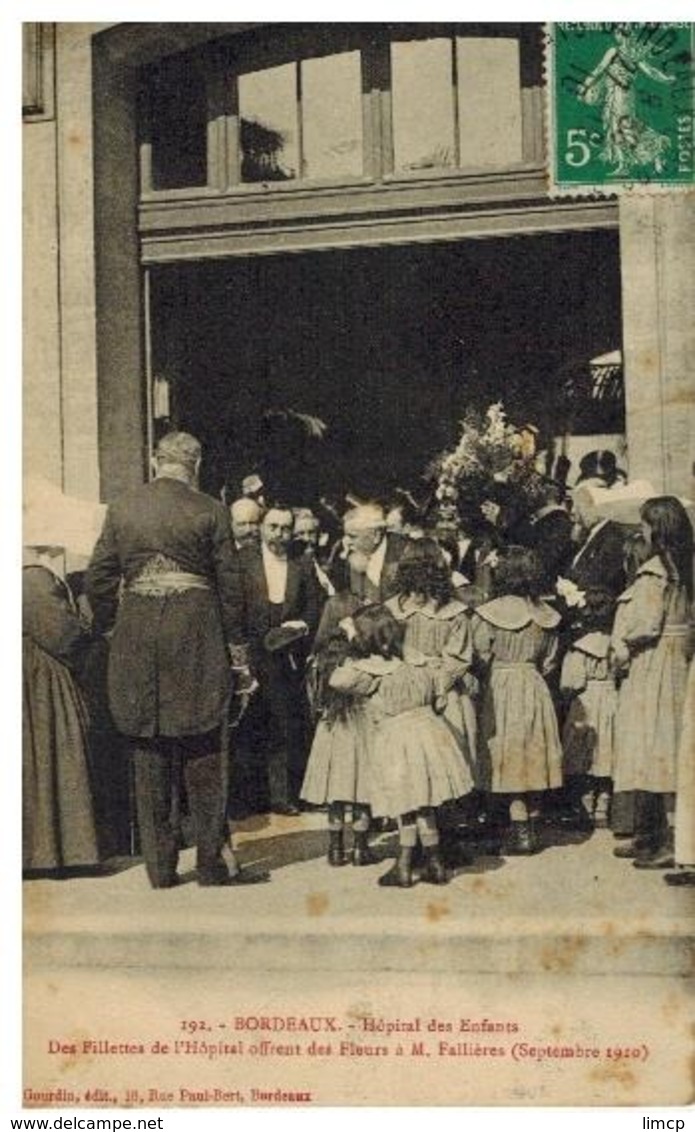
(282, 636)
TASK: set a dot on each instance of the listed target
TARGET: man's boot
(641, 846)
(661, 857)
(682, 878)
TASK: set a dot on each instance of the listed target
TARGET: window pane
(489, 93)
(268, 110)
(423, 104)
(178, 125)
(332, 116)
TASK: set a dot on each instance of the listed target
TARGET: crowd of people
(467, 675)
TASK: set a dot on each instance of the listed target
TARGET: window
(423, 104)
(446, 112)
(331, 93)
(302, 120)
(394, 101)
(269, 124)
(489, 113)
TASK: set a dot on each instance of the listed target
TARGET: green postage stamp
(620, 107)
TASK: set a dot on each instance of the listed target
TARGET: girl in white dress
(653, 649)
(415, 763)
(516, 636)
(588, 736)
(336, 771)
(437, 625)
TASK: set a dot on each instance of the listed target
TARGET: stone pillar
(118, 294)
(657, 246)
(78, 362)
(41, 393)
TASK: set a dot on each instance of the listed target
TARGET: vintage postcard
(359, 444)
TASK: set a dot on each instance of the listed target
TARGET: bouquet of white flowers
(490, 450)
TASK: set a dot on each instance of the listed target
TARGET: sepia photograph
(358, 492)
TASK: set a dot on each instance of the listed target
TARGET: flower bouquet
(491, 451)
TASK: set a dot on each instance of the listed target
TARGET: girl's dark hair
(377, 631)
(598, 610)
(334, 704)
(423, 570)
(635, 552)
(671, 537)
(519, 572)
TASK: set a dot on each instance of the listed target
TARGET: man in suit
(166, 550)
(306, 543)
(365, 562)
(599, 559)
(245, 515)
(548, 531)
(281, 604)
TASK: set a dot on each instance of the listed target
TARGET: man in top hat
(178, 628)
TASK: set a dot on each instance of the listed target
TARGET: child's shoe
(521, 840)
(361, 852)
(336, 848)
(400, 875)
(434, 870)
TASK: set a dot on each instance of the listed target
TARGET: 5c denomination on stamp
(620, 107)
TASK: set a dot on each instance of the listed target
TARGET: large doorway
(388, 346)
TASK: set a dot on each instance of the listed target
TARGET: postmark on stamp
(621, 101)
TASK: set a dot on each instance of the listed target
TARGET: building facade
(196, 193)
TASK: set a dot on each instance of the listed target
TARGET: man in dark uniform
(166, 549)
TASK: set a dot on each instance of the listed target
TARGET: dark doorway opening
(388, 346)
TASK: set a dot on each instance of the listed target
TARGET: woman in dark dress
(59, 828)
